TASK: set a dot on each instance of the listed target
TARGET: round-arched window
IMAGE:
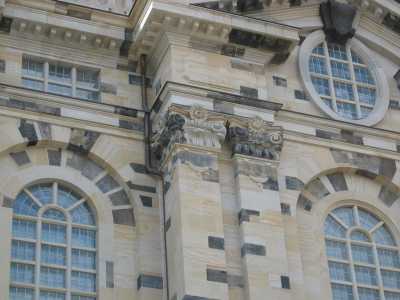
(363, 257)
(343, 80)
(53, 251)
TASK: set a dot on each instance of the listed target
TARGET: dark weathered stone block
(138, 168)
(81, 141)
(109, 274)
(146, 201)
(107, 183)
(167, 224)
(253, 249)
(293, 183)
(217, 276)
(149, 281)
(8, 202)
(119, 198)
(285, 209)
(54, 157)
(338, 181)
(388, 195)
(108, 88)
(20, 158)
(124, 217)
(244, 215)
(216, 243)
(143, 188)
(305, 203)
(235, 281)
(248, 92)
(28, 131)
(285, 282)
(318, 189)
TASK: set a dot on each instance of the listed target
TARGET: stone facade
(208, 163)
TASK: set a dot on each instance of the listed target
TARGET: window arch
(363, 257)
(54, 247)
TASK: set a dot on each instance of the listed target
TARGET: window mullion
(378, 272)
(352, 270)
(46, 76)
(38, 258)
(329, 69)
(69, 261)
(354, 83)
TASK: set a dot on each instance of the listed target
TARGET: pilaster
(188, 146)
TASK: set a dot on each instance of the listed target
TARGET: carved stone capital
(255, 138)
(195, 127)
(338, 21)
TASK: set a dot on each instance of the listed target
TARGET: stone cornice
(198, 22)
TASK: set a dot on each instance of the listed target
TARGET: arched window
(363, 257)
(54, 254)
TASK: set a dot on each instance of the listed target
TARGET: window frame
(73, 85)
(68, 267)
(353, 261)
(382, 88)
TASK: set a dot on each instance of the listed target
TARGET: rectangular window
(54, 233)
(60, 78)
(53, 255)
(82, 281)
(83, 259)
(83, 238)
(50, 277)
(22, 273)
(44, 295)
(19, 293)
(23, 250)
(24, 229)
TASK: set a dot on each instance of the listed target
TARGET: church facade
(199, 150)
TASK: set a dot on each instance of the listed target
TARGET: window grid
(352, 89)
(61, 79)
(361, 268)
(46, 271)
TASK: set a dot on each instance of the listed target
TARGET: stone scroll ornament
(338, 21)
(255, 138)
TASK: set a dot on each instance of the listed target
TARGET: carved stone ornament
(255, 138)
(195, 127)
(338, 21)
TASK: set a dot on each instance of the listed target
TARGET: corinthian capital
(194, 126)
(255, 138)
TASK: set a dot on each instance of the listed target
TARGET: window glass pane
(66, 198)
(336, 249)
(340, 70)
(54, 214)
(392, 296)
(23, 250)
(391, 279)
(327, 102)
(339, 271)
(346, 110)
(83, 281)
(319, 50)
(82, 259)
(59, 89)
(87, 95)
(333, 228)
(342, 292)
(87, 78)
(42, 192)
(367, 220)
(317, 65)
(60, 72)
(53, 255)
(321, 86)
(362, 254)
(365, 275)
(51, 277)
(365, 111)
(22, 273)
(366, 95)
(19, 293)
(388, 258)
(368, 294)
(83, 238)
(32, 67)
(44, 295)
(357, 235)
(24, 229)
(345, 214)
(337, 51)
(344, 90)
(383, 236)
(54, 233)
(33, 84)
(82, 215)
(24, 205)
(363, 75)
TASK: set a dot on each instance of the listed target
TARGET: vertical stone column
(188, 146)
(256, 146)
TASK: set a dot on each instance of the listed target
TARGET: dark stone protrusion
(149, 281)
(216, 243)
(124, 217)
(253, 249)
(217, 276)
(338, 181)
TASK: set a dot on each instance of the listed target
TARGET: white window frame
(382, 87)
(74, 85)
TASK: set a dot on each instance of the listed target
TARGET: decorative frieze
(256, 138)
